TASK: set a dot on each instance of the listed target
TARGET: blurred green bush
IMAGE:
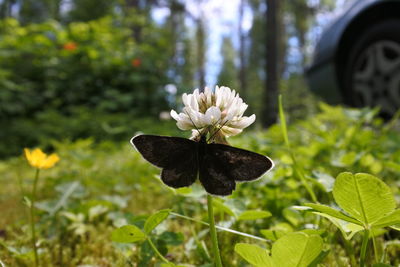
(66, 77)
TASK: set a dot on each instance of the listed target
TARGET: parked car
(357, 59)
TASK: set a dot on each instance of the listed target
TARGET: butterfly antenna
(193, 123)
(219, 128)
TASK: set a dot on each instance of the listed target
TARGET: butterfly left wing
(177, 156)
(242, 165)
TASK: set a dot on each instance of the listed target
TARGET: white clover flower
(218, 113)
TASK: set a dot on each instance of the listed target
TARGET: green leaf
(363, 196)
(183, 190)
(313, 231)
(348, 229)
(332, 212)
(219, 205)
(172, 238)
(396, 227)
(292, 215)
(254, 215)
(272, 234)
(296, 249)
(277, 231)
(319, 259)
(154, 220)
(128, 234)
(388, 220)
(168, 264)
(27, 201)
(254, 255)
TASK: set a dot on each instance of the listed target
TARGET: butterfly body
(217, 166)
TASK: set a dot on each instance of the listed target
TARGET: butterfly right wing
(222, 165)
(242, 165)
(177, 156)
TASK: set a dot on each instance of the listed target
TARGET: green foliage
(295, 249)
(86, 10)
(80, 78)
(128, 234)
(88, 64)
(254, 215)
(98, 187)
(363, 196)
(368, 201)
(155, 220)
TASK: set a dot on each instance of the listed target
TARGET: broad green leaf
(363, 196)
(128, 234)
(254, 215)
(332, 212)
(296, 249)
(154, 220)
(388, 220)
(348, 229)
(254, 255)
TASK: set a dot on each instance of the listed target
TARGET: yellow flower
(40, 160)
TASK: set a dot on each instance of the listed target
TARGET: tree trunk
(200, 38)
(242, 56)
(270, 98)
(136, 29)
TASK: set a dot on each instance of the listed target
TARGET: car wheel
(372, 76)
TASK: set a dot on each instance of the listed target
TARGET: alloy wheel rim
(376, 79)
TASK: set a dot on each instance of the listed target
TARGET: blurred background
(105, 69)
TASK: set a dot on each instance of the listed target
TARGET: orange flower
(136, 62)
(40, 160)
(70, 46)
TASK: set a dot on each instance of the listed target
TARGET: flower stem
(298, 170)
(364, 247)
(157, 252)
(376, 252)
(213, 232)
(32, 209)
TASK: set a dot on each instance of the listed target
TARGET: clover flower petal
(212, 111)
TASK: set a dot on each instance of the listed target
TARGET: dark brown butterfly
(218, 166)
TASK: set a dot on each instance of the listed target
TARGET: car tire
(372, 72)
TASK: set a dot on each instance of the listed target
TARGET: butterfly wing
(241, 165)
(215, 177)
(177, 156)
